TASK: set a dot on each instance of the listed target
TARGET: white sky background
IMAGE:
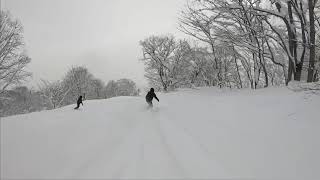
(102, 35)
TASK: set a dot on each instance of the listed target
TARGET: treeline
(51, 95)
(243, 44)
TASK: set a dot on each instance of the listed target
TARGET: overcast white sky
(102, 35)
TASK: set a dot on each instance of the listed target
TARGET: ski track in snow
(203, 133)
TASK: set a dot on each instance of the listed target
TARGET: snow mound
(208, 133)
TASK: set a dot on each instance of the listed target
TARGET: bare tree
(167, 61)
(157, 54)
(13, 58)
(258, 29)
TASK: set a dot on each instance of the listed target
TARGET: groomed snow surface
(206, 133)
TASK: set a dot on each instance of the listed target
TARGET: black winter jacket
(150, 96)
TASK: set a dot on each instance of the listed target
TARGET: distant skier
(79, 101)
(150, 96)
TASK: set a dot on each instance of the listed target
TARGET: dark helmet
(80, 97)
(151, 90)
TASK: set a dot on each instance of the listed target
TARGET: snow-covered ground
(206, 133)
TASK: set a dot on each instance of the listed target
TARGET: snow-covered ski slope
(208, 133)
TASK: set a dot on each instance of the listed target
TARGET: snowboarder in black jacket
(150, 96)
(79, 101)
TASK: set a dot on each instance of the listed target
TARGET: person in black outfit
(150, 96)
(79, 101)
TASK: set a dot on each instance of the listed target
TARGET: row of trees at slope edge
(244, 43)
(51, 95)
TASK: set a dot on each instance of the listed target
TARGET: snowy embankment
(207, 133)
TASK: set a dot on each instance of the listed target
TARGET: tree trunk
(312, 41)
(304, 41)
(290, 72)
(263, 62)
(235, 61)
(265, 75)
(292, 44)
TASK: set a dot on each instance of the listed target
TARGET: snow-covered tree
(54, 92)
(121, 87)
(257, 30)
(126, 87)
(202, 69)
(21, 99)
(111, 89)
(157, 54)
(166, 61)
(96, 89)
(78, 82)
